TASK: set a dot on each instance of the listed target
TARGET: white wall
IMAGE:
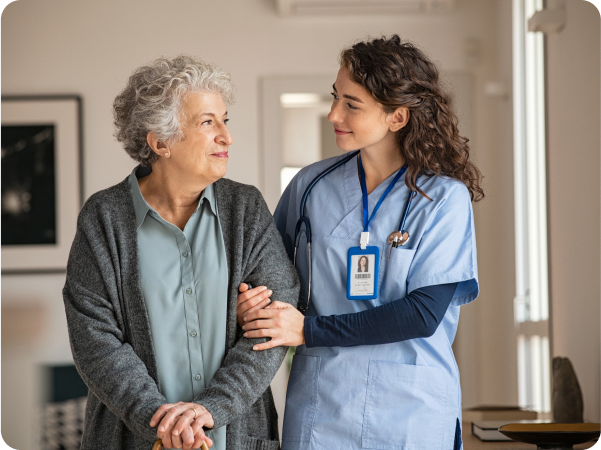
(485, 345)
(90, 48)
(573, 170)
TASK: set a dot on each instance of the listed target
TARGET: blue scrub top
(404, 395)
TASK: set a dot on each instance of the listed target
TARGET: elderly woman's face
(204, 150)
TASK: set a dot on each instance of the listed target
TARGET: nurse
(373, 366)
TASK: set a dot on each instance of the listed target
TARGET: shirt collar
(141, 207)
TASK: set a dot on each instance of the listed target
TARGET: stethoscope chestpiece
(398, 238)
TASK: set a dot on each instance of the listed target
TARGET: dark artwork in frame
(41, 181)
(28, 185)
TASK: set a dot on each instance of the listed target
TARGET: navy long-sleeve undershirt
(415, 316)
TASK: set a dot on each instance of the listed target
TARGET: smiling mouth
(341, 132)
(220, 155)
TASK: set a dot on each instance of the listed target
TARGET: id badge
(362, 273)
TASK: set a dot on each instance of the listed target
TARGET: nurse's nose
(334, 115)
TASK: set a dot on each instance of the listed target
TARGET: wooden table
(471, 442)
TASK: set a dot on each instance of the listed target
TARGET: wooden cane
(158, 445)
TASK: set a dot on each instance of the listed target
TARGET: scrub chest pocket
(404, 407)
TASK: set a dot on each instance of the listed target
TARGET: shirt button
(197, 377)
(188, 291)
(193, 333)
(185, 254)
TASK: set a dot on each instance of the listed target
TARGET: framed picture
(41, 181)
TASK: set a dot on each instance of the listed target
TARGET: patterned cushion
(63, 424)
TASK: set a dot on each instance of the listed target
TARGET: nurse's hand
(280, 321)
(251, 300)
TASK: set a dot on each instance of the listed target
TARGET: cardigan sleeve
(256, 254)
(108, 364)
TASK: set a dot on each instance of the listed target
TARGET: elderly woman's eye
(226, 121)
(207, 122)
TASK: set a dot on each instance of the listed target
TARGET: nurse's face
(359, 120)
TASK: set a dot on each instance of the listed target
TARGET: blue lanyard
(366, 218)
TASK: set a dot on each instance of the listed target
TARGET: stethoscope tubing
(304, 220)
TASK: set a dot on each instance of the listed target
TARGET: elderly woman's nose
(225, 137)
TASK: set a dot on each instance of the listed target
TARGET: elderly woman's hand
(280, 321)
(251, 300)
(180, 425)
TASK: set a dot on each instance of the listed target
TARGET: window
(531, 304)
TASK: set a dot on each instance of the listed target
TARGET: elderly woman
(152, 278)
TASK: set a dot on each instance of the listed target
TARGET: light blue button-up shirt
(184, 281)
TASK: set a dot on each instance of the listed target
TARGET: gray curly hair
(152, 101)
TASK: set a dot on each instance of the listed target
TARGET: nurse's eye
(335, 96)
(351, 106)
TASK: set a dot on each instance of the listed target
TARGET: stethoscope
(396, 239)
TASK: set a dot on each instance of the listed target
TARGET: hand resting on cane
(180, 425)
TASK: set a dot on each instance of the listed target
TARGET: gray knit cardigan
(110, 332)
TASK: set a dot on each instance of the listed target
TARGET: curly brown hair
(399, 74)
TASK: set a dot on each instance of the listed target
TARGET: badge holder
(363, 270)
(363, 265)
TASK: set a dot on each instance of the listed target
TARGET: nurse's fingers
(251, 300)
(285, 325)
(265, 325)
(268, 313)
(266, 330)
(260, 305)
(246, 293)
(254, 301)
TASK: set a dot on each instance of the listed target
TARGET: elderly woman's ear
(160, 148)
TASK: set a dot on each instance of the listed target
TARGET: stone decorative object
(567, 396)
